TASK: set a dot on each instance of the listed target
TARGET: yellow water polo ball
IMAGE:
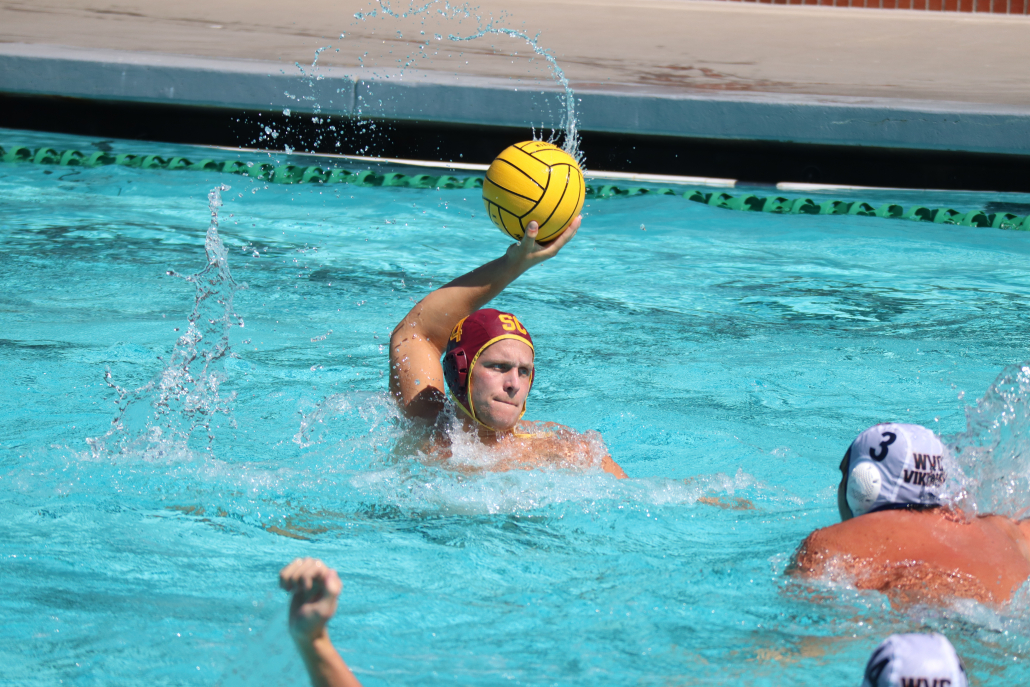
(533, 181)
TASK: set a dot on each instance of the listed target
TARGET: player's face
(500, 383)
(842, 489)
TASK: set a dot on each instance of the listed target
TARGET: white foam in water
(476, 480)
(422, 490)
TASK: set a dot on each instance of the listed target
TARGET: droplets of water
(426, 45)
(185, 396)
(494, 27)
(993, 454)
(568, 128)
(340, 418)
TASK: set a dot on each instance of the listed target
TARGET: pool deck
(682, 68)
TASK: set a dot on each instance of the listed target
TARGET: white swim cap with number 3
(895, 465)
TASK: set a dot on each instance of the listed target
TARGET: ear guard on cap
(864, 484)
(461, 366)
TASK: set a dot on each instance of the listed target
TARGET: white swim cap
(916, 660)
(895, 465)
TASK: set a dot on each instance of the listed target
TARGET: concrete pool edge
(113, 75)
(766, 138)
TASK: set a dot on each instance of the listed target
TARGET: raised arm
(418, 342)
(315, 588)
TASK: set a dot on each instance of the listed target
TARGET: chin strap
(482, 424)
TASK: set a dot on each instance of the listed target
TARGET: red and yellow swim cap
(469, 338)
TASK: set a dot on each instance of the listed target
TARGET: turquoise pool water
(720, 354)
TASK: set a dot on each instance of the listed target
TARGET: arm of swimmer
(315, 589)
(418, 342)
(612, 468)
(726, 504)
(325, 667)
(735, 504)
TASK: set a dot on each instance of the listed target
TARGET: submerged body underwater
(172, 435)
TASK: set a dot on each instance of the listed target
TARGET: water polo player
(897, 534)
(488, 367)
(915, 659)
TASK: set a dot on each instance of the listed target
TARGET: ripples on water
(720, 355)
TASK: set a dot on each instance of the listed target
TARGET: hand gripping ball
(533, 181)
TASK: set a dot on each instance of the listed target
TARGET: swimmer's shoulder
(923, 555)
(554, 438)
(862, 536)
(813, 553)
(555, 434)
(543, 430)
(1014, 532)
(885, 534)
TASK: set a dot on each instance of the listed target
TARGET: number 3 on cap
(510, 323)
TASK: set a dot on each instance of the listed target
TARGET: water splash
(992, 474)
(494, 27)
(367, 129)
(161, 416)
(380, 423)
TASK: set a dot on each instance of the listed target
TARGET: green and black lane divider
(806, 206)
(297, 174)
(265, 171)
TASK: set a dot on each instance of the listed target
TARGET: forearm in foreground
(325, 667)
